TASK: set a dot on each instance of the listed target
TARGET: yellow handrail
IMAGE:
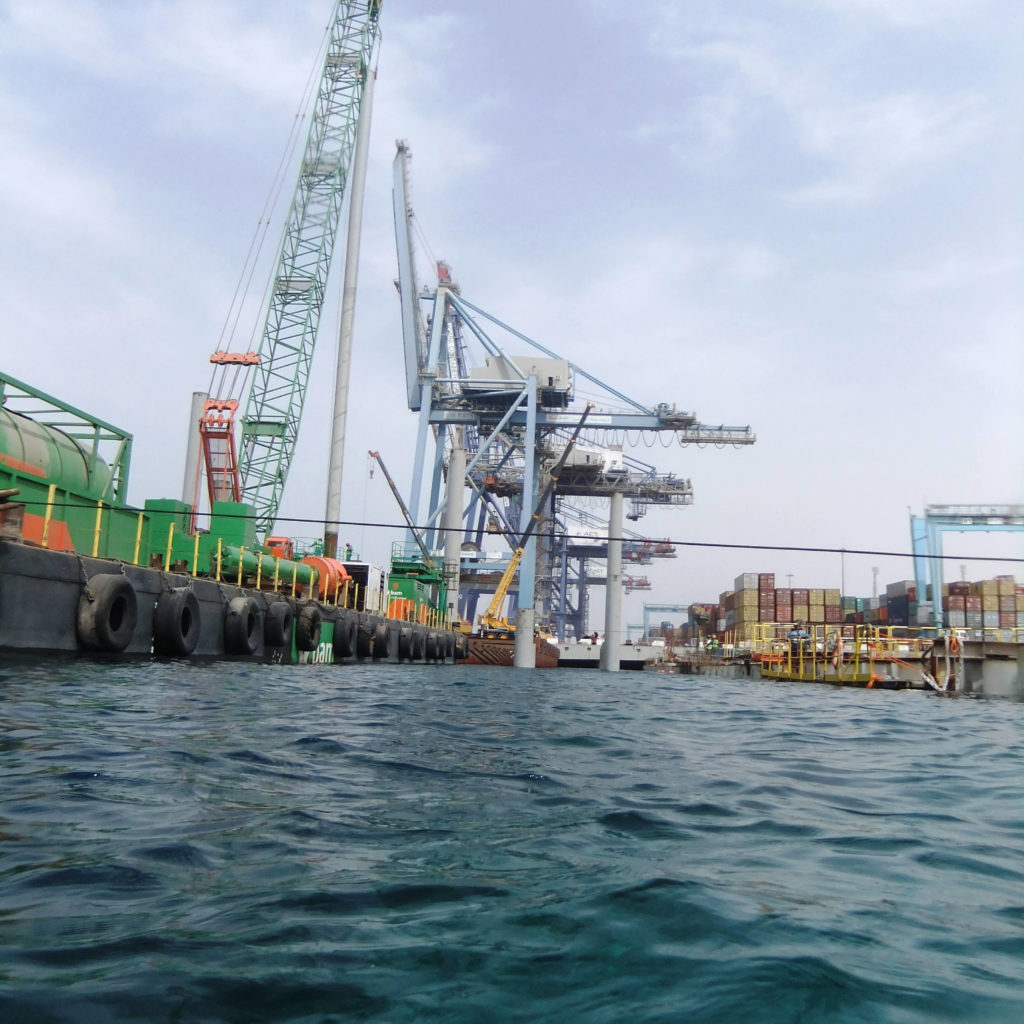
(50, 495)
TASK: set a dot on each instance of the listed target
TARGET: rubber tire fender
(417, 645)
(307, 627)
(107, 621)
(432, 647)
(364, 641)
(176, 623)
(344, 636)
(381, 642)
(243, 625)
(404, 643)
(277, 624)
(463, 648)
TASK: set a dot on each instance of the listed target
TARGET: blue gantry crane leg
(926, 544)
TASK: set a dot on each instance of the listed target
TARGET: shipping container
(799, 612)
(746, 581)
(972, 602)
(1020, 620)
(1005, 586)
(961, 588)
(957, 619)
(833, 613)
(990, 620)
(766, 581)
(1007, 603)
(990, 602)
(955, 603)
(901, 588)
(974, 620)
(832, 596)
(783, 595)
(799, 595)
(816, 597)
(1007, 620)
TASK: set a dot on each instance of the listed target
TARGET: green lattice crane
(270, 423)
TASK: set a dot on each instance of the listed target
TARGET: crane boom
(273, 411)
(416, 535)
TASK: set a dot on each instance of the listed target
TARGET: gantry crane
(926, 539)
(273, 410)
(505, 419)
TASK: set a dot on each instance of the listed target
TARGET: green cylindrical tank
(303, 575)
(39, 452)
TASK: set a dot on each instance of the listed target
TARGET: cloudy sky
(802, 215)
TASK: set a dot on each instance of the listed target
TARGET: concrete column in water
(453, 515)
(613, 589)
(525, 652)
(348, 311)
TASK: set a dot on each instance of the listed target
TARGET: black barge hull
(64, 603)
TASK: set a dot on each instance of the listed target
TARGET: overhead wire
(722, 545)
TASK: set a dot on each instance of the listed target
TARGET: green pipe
(303, 575)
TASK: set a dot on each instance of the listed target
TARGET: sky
(801, 215)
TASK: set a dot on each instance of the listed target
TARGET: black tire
(176, 623)
(364, 641)
(417, 645)
(344, 636)
(107, 613)
(404, 644)
(277, 626)
(382, 642)
(307, 628)
(432, 647)
(243, 626)
(463, 648)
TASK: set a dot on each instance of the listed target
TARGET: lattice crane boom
(270, 423)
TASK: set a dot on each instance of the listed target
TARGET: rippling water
(387, 843)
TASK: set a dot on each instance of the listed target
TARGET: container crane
(491, 622)
(281, 367)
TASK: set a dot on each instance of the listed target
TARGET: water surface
(389, 843)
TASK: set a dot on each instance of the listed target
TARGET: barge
(83, 572)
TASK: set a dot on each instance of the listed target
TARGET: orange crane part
(332, 576)
(217, 432)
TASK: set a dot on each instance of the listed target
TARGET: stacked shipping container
(996, 603)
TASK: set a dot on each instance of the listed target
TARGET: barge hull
(42, 592)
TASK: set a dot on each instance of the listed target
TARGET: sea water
(226, 842)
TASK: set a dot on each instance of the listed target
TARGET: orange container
(400, 608)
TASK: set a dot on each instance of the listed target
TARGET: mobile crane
(257, 471)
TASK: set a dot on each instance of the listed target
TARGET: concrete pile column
(613, 589)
